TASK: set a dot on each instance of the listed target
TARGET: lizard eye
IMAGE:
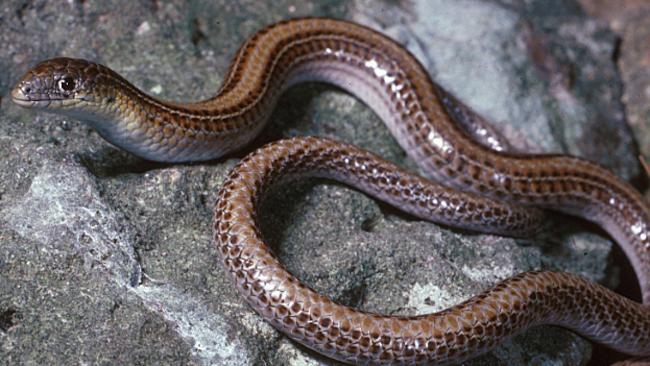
(66, 84)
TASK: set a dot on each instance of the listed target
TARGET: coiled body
(396, 86)
(446, 337)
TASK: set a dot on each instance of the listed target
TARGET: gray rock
(106, 259)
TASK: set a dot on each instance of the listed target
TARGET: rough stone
(630, 18)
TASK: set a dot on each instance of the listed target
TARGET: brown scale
(233, 117)
(390, 344)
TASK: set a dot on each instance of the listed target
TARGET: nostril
(27, 90)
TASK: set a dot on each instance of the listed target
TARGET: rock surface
(106, 258)
(630, 19)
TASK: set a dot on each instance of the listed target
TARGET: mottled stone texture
(106, 258)
(630, 19)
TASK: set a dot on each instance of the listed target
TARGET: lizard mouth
(34, 100)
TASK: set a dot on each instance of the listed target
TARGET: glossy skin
(450, 336)
(396, 86)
